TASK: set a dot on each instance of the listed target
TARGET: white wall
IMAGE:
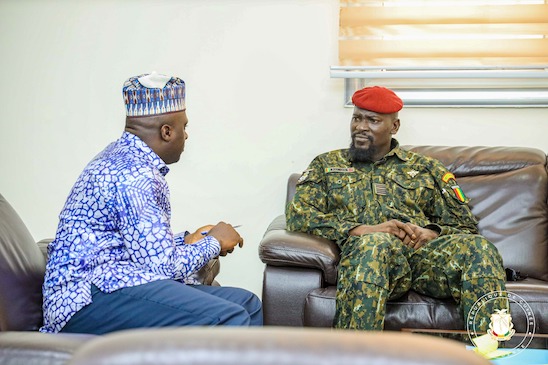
(260, 101)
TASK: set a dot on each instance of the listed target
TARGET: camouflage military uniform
(335, 195)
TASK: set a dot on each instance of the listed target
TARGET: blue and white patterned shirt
(114, 232)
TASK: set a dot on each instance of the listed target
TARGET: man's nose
(362, 126)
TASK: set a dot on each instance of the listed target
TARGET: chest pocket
(346, 192)
(412, 191)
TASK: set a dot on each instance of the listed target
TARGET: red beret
(377, 99)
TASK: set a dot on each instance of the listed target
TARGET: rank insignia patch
(380, 189)
(304, 176)
(412, 173)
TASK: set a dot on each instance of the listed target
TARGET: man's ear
(166, 132)
(395, 126)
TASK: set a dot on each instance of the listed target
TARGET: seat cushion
(412, 310)
(528, 303)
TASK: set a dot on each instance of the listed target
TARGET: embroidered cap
(377, 99)
(152, 94)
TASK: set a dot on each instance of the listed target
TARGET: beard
(362, 154)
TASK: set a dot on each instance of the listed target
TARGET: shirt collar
(397, 151)
(136, 142)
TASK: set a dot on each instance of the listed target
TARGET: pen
(236, 226)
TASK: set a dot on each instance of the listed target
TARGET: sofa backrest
(22, 268)
(508, 188)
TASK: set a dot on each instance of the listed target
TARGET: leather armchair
(508, 187)
(22, 269)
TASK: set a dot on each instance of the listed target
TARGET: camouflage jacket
(335, 195)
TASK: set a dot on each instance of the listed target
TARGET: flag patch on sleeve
(459, 194)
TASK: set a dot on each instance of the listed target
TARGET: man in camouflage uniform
(399, 218)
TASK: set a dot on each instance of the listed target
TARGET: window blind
(432, 33)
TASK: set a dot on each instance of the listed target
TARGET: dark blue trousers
(166, 303)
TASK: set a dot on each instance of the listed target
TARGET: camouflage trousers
(378, 267)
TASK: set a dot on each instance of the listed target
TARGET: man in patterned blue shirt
(115, 263)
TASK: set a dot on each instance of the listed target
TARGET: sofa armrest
(32, 347)
(280, 247)
(43, 246)
(270, 345)
(206, 275)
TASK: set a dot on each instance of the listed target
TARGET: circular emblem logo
(501, 328)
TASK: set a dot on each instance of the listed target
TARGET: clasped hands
(223, 232)
(410, 234)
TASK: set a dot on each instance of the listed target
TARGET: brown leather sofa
(508, 187)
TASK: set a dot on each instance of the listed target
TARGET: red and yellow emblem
(448, 176)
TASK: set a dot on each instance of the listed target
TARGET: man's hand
(227, 237)
(199, 234)
(422, 236)
(410, 234)
(394, 227)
